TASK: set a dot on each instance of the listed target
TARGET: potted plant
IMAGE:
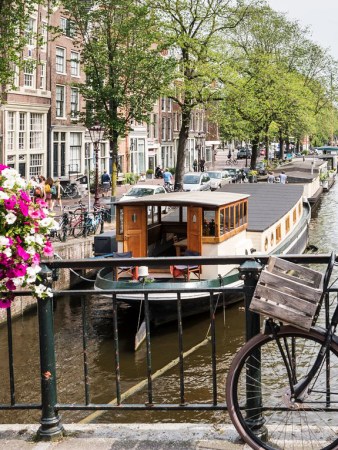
(252, 176)
(150, 174)
(25, 227)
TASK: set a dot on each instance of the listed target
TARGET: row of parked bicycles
(78, 222)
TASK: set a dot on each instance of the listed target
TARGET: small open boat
(240, 220)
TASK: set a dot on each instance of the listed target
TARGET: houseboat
(238, 220)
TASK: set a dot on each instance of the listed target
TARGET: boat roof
(198, 198)
(268, 203)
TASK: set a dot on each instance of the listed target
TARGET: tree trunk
(181, 149)
(255, 142)
(281, 146)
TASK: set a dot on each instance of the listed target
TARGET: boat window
(299, 208)
(229, 218)
(245, 212)
(294, 215)
(278, 233)
(287, 224)
(120, 221)
(153, 214)
(209, 223)
(237, 215)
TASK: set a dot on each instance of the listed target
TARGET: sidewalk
(182, 436)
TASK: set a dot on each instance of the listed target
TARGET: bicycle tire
(309, 426)
(77, 223)
(71, 191)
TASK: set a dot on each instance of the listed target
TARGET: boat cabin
(209, 224)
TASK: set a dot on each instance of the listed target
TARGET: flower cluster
(24, 230)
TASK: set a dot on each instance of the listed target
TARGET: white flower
(10, 218)
(8, 252)
(40, 289)
(29, 239)
(4, 241)
(39, 239)
(3, 195)
(18, 281)
(31, 250)
(49, 292)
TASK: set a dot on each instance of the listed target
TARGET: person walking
(194, 165)
(283, 177)
(202, 163)
(105, 181)
(50, 190)
(57, 196)
(271, 177)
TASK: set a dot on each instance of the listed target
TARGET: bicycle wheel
(261, 396)
(71, 191)
(77, 223)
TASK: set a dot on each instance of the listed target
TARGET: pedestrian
(57, 196)
(243, 176)
(194, 165)
(202, 163)
(167, 179)
(105, 181)
(283, 177)
(271, 177)
(50, 190)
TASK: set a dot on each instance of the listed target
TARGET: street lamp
(199, 145)
(96, 133)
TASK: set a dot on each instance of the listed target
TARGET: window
(74, 103)
(155, 126)
(67, 27)
(209, 223)
(59, 154)
(60, 61)
(163, 129)
(75, 152)
(169, 129)
(22, 130)
(35, 135)
(60, 101)
(278, 233)
(294, 215)
(28, 72)
(35, 167)
(287, 224)
(10, 130)
(169, 104)
(163, 104)
(42, 76)
(74, 64)
(30, 31)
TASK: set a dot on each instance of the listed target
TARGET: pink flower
(23, 208)
(5, 302)
(22, 253)
(18, 271)
(10, 203)
(2, 167)
(25, 196)
(48, 249)
(36, 259)
(10, 285)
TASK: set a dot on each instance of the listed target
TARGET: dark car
(243, 153)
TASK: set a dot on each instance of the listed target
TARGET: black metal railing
(51, 426)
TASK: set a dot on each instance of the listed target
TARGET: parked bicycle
(282, 386)
(231, 162)
(70, 190)
(87, 223)
(64, 229)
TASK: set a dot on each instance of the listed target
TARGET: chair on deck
(121, 270)
(185, 271)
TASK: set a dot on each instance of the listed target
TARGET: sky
(320, 15)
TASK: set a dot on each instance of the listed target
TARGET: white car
(196, 181)
(143, 190)
(218, 178)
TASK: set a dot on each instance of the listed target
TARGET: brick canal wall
(72, 249)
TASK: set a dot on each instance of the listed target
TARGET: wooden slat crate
(288, 292)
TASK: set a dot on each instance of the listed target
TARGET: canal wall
(80, 248)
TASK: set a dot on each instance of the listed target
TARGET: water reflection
(197, 367)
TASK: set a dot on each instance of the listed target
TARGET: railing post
(51, 426)
(249, 273)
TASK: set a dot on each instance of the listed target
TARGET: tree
(192, 30)
(14, 35)
(125, 69)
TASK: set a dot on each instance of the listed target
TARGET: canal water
(68, 335)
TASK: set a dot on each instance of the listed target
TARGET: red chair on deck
(180, 270)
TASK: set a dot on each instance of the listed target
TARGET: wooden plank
(305, 275)
(280, 298)
(297, 289)
(285, 315)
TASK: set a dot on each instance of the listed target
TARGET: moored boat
(240, 220)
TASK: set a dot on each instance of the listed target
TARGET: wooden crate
(288, 292)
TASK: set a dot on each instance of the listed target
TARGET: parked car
(261, 168)
(196, 181)
(232, 172)
(218, 178)
(243, 153)
(138, 191)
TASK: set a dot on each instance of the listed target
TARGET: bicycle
(63, 230)
(88, 223)
(282, 386)
(70, 190)
(169, 187)
(231, 162)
